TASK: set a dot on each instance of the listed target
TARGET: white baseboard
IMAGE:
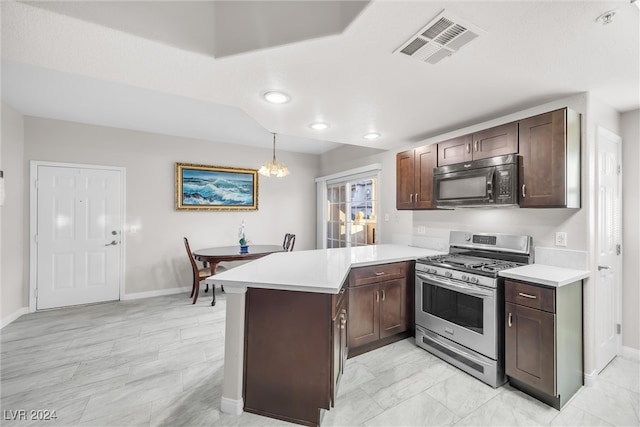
(631, 353)
(590, 379)
(13, 316)
(158, 293)
(231, 406)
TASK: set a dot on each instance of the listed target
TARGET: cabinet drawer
(533, 296)
(377, 273)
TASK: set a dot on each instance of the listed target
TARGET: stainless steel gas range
(460, 301)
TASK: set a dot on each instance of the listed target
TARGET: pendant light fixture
(274, 168)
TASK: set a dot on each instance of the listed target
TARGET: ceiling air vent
(440, 38)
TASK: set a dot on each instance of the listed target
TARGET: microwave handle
(490, 183)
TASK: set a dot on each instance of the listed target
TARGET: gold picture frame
(204, 187)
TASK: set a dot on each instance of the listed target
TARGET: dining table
(215, 255)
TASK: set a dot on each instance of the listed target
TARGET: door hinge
(618, 328)
(618, 249)
(35, 238)
(619, 169)
(35, 293)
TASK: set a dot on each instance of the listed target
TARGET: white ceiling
(198, 68)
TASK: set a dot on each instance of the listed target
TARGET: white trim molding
(157, 293)
(631, 353)
(590, 379)
(231, 406)
(14, 316)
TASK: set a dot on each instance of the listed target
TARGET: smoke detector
(440, 38)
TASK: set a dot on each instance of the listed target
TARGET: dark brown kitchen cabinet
(339, 343)
(543, 340)
(495, 141)
(414, 178)
(378, 306)
(295, 350)
(550, 160)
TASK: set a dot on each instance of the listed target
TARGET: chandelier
(274, 168)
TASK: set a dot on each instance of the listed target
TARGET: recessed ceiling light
(371, 135)
(318, 125)
(275, 97)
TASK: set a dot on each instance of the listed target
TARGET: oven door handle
(449, 284)
(451, 348)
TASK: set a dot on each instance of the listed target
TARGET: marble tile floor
(158, 362)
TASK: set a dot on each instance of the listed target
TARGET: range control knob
(447, 273)
(432, 271)
(474, 280)
(464, 277)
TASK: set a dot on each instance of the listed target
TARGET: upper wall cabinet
(496, 141)
(414, 178)
(550, 160)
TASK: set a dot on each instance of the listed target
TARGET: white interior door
(609, 264)
(78, 240)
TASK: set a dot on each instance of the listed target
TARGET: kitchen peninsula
(285, 360)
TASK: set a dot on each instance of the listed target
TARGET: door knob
(603, 267)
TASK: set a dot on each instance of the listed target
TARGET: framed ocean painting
(202, 187)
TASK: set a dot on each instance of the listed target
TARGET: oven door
(472, 187)
(460, 311)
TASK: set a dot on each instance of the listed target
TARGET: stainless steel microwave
(479, 183)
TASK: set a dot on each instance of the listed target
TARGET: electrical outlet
(422, 229)
(386, 217)
(561, 238)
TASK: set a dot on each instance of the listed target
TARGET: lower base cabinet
(295, 350)
(543, 340)
(379, 306)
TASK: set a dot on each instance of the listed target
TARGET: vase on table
(244, 249)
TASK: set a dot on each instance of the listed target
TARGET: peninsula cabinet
(295, 350)
(495, 141)
(379, 306)
(543, 340)
(550, 160)
(414, 178)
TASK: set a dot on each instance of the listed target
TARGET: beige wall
(155, 255)
(13, 267)
(630, 134)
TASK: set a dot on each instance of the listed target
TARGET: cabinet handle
(380, 273)
(416, 197)
(524, 191)
(377, 296)
(343, 321)
(468, 148)
(475, 146)
(510, 320)
(527, 295)
(411, 198)
(383, 295)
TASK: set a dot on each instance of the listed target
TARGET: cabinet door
(456, 150)
(530, 347)
(364, 307)
(425, 161)
(393, 307)
(497, 141)
(543, 163)
(405, 174)
(339, 343)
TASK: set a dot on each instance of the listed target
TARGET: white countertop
(545, 274)
(320, 270)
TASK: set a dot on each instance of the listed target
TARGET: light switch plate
(561, 238)
(422, 229)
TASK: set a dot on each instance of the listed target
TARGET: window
(350, 210)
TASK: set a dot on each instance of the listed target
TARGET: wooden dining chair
(199, 274)
(289, 241)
